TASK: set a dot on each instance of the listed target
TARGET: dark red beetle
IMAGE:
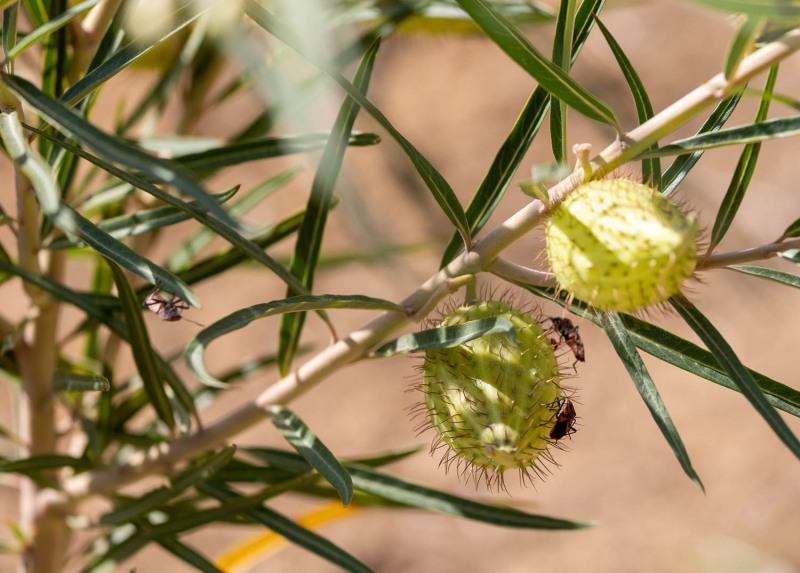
(565, 420)
(568, 332)
(168, 309)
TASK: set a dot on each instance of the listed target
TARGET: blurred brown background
(456, 99)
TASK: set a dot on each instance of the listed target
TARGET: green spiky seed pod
(621, 245)
(492, 400)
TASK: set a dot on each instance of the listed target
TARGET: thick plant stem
(480, 258)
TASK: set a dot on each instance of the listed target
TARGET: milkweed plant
(95, 195)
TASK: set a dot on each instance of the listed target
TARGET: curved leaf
(791, 231)
(195, 350)
(743, 172)
(188, 555)
(441, 190)
(626, 350)
(735, 369)
(550, 77)
(743, 42)
(51, 26)
(312, 449)
(445, 337)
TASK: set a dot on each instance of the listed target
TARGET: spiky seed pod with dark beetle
(620, 245)
(493, 401)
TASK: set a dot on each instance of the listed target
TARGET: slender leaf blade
(791, 231)
(735, 369)
(626, 350)
(143, 354)
(188, 555)
(769, 274)
(71, 382)
(651, 168)
(742, 44)
(308, 445)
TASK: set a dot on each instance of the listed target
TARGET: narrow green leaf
(287, 528)
(651, 168)
(684, 163)
(549, 76)
(743, 172)
(45, 30)
(735, 369)
(791, 231)
(516, 145)
(35, 464)
(742, 44)
(114, 148)
(36, 11)
(769, 274)
(143, 354)
(311, 233)
(445, 337)
(195, 350)
(219, 227)
(140, 222)
(626, 350)
(312, 449)
(70, 382)
(414, 495)
(441, 190)
(10, 18)
(188, 555)
(189, 11)
(264, 148)
(752, 133)
(690, 357)
(198, 472)
(562, 47)
(70, 221)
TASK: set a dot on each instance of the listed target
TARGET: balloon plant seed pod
(494, 401)
(620, 245)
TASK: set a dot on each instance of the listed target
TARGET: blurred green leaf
(441, 190)
(445, 337)
(45, 30)
(791, 231)
(195, 350)
(197, 472)
(735, 369)
(618, 335)
(36, 464)
(549, 76)
(142, 348)
(651, 168)
(312, 231)
(188, 555)
(742, 44)
(770, 8)
(743, 172)
(312, 449)
(562, 46)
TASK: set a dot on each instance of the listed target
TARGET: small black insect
(569, 335)
(565, 420)
(168, 309)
